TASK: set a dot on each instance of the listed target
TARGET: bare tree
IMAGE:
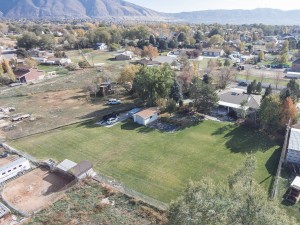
(277, 79)
(224, 76)
(186, 76)
(248, 73)
(262, 76)
(93, 88)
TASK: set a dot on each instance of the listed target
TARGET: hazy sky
(194, 5)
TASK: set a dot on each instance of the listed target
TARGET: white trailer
(13, 169)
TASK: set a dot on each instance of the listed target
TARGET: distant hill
(43, 9)
(32, 9)
(265, 16)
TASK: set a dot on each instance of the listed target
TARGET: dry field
(54, 103)
(34, 190)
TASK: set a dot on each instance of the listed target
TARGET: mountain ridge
(241, 16)
(98, 9)
(39, 9)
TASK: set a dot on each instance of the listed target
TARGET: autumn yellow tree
(7, 69)
(150, 51)
(127, 76)
(288, 111)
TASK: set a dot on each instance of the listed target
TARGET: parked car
(4, 155)
(243, 84)
(114, 102)
(112, 120)
(108, 116)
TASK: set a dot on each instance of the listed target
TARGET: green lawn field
(154, 163)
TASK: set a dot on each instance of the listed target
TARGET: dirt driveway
(34, 190)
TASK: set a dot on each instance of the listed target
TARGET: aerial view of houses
(114, 113)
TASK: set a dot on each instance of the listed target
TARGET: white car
(112, 120)
(114, 102)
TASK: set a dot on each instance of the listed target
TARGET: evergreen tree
(204, 95)
(176, 92)
(207, 79)
(268, 91)
(285, 93)
(293, 86)
(227, 62)
(258, 87)
(152, 40)
(269, 113)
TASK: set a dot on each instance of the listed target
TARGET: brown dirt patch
(35, 190)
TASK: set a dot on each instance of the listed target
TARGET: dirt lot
(34, 190)
(53, 103)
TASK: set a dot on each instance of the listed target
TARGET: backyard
(154, 163)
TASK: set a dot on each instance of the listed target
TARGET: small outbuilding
(82, 170)
(146, 116)
(127, 55)
(66, 165)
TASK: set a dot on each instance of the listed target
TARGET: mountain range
(19, 9)
(97, 9)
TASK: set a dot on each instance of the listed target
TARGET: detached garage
(146, 116)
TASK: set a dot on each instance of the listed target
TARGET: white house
(293, 152)
(14, 168)
(146, 116)
(101, 46)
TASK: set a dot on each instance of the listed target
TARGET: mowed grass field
(154, 163)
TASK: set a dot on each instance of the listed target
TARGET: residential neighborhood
(141, 117)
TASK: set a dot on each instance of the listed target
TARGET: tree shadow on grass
(240, 139)
(273, 161)
(130, 125)
(245, 140)
(102, 112)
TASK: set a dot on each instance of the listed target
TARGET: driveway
(122, 117)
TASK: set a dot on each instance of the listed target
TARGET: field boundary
(130, 192)
(273, 192)
(126, 108)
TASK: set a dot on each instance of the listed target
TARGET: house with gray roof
(231, 100)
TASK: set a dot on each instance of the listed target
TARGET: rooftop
(81, 168)
(294, 142)
(212, 50)
(233, 98)
(296, 183)
(297, 61)
(66, 165)
(13, 163)
(146, 113)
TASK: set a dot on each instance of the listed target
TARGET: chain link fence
(130, 192)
